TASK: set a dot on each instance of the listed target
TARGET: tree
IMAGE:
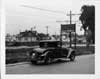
(87, 19)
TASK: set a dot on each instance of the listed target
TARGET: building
(42, 36)
(55, 37)
(27, 36)
(10, 38)
(81, 39)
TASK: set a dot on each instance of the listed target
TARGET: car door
(64, 52)
(56, 53)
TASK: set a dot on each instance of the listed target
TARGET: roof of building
(27, 34)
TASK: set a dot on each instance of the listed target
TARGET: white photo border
(67, 76)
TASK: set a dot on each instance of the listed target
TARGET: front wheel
(48, 59)
(33, 62)
(72, 57)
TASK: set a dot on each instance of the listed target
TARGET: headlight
(33, 55)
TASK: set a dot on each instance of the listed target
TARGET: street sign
(68, 27)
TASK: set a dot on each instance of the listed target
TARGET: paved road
(82, 65)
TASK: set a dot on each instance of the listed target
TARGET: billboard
(68, 27)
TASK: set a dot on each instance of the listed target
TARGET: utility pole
(47, 30)
(61, 39)
(55, 36)
(75, 38)
(70, 31)
(34, 28)
(75, 29)
(31, 33)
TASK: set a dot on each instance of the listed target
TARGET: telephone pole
(47, 30)
(70, 24)
(75, 29)
(70, 17)
(31, 34)
(70, 31)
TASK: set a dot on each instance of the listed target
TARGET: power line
(72, 14)
(66, 21)
(47, 10)
(33, 7)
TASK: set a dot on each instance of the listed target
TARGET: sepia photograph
(49, 37)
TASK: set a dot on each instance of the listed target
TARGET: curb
(21, 63)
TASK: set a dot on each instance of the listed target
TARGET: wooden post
(61, 38)
(70, 38)
(75, 36)
(70, 31)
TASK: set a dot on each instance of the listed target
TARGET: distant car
(50, 50)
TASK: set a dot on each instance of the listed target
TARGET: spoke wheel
(47, 59)
(72, 57)
(33, 62)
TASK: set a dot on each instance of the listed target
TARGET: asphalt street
(84, 64)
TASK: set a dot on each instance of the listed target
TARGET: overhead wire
(42, 9)
(33, 7)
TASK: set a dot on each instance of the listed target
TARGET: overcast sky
(19, 18)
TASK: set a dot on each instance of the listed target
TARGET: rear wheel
(47, 60)
(33, 62)
(72, 57)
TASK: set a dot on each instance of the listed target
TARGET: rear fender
(70, 52)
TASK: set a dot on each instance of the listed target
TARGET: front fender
(45, 53)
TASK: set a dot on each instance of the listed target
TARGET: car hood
(39, 49)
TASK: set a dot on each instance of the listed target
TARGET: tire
(31, 59)
(47, 59)
(33, 62)
(72, 57)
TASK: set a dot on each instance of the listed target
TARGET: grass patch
(20, 54)
(85, 50)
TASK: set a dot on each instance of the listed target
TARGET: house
(42, 36)
(55, 37)
(10, 38)
(26, 36)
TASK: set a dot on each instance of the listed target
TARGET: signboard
(68, 27)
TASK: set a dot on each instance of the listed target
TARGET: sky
(19, 18)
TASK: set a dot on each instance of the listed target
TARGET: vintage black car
(50, 50)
